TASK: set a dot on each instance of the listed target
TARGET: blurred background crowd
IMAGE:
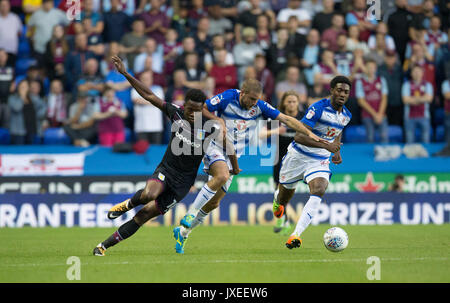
(56, 77)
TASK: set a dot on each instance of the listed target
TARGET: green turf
(227, 254)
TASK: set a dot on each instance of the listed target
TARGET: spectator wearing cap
(41, 26)
(294, 9)
(109, 113)
(133, 42)
(7, 86)
(358, 17)
(10, 30)
(392, 71)
(218, 23)
(322, 20)
(26, 114)
(417, 94)
(80, 126)
(224, 75)
(245, 51)
(372, 94)
(329, 36)
(265, 76)
(156, 21)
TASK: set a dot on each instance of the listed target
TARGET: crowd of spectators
(399, 64)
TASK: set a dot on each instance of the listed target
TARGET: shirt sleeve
(268, 110)
(445, 87)
(219, 102)
(406, 91)
(384, 86)
(429, 89)
(170, 109)
(359, 91)
(312, 115)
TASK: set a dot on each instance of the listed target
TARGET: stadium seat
(440, 133)
(56, 136)
(24, 50)
(395, 134)
(418, 134)
(22, 65)
(5, 137)
(355, 134)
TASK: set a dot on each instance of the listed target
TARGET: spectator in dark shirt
(57, 49)
(322, 20)
(75, 61)
(399, 23)
(116, 23)
(6, 87)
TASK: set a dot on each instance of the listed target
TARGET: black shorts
(175, 187)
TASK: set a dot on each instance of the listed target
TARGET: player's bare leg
(126, 230)
(317, 188)
(220, 174)
(152, 189)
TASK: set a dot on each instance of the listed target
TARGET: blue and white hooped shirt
(327, 123)
(241, 123)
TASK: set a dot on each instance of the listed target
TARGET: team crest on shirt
(252, 112)
(161, 177)
(200, 134)
(215, 100)
(310, 114)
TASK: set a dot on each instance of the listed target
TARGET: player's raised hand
(334, 146)
(118, 64)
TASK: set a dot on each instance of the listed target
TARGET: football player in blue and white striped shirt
(240, 109)
(308, 160)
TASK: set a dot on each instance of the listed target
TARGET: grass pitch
(236, 254)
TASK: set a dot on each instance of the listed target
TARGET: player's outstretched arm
(332, 147)
(299, 127)
(142, 90)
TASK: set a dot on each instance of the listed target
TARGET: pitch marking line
(235, 261)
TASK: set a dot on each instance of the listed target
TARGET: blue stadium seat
(24, 50)
(56, 136)
(5, 137)
(395, 134)
(440, 134)
(355, 134)
(418, 134)
(22, 65)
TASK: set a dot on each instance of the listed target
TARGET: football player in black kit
(178, 169)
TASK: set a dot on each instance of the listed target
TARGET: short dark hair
(340, 79)
(195, 95)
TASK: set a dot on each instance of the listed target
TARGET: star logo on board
(369, 185)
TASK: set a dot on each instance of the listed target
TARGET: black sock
(126, 230)
(136, 199)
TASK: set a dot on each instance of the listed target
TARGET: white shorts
(296, 166)
(213, 154)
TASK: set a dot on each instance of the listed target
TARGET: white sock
(202, 198)
(199, 219)
(309, 211)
